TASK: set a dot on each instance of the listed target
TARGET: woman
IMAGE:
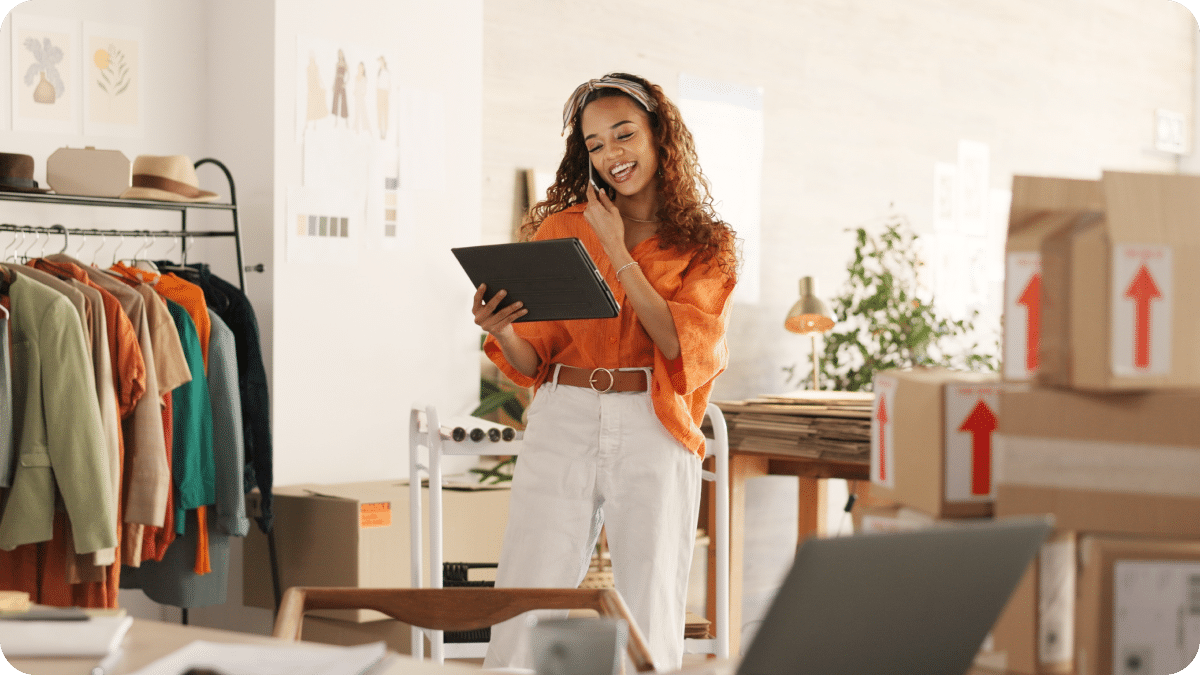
(613, 433)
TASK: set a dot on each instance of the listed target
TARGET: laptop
(911, 603)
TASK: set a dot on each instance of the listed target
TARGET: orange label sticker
(375, 515)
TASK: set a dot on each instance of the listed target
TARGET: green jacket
(57, 432)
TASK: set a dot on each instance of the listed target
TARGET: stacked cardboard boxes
(1101, 320)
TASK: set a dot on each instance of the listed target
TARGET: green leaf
(492, 403)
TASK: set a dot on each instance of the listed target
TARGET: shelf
(43, 198)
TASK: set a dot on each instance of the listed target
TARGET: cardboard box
(1040, 207)
(931, 440)
(1119, 289)
(1035, 632)
(357, 534)
(1103, 463)
(1139, 606)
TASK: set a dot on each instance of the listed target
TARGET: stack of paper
(281, 659)
(826, 425)
(95, 636)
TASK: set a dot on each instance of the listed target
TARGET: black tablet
(555, 278)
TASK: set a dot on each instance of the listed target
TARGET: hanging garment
(91, 307)
(192, 451)
(234, 308)
(146, 478)
(47, 570)
(172, 370)
(57, 430)
(174, 581)
(6, 435)
(183, 292)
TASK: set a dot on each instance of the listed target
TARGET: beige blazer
(56, 426)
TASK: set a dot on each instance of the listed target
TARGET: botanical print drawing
(112, 80)
(46, 57)
(45, 74)
(115, 76)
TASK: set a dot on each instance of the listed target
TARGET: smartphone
(596, 183)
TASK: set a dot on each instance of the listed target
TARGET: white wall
(355, 345)
(860, 100)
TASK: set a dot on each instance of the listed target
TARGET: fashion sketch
(360, 100)
(383, 83)
(316, 93)
(340, 107)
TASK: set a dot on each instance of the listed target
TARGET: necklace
(638, 220)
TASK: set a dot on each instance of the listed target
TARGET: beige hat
(169, 178)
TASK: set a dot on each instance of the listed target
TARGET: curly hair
(688, 220)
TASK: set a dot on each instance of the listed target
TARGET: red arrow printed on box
(1031, 297)
(1142, 290)
(882, 415)
(980, 423)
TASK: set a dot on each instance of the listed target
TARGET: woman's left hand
(604, 217)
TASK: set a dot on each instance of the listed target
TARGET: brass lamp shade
(810, 314)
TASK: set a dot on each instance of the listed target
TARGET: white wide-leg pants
(592, 459)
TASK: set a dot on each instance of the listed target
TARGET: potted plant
(886, 320)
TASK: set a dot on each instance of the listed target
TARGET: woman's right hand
(489, 318)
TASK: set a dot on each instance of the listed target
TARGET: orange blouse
(699, 298)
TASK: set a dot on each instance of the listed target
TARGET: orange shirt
(698, 296)
(178, 290)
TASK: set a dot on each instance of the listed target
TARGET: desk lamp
(809, 316)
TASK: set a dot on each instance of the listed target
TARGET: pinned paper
(972, 417)
(1156, 615)
(1142, 299)
(883, 460)
(1056, 602)
(1022, 314)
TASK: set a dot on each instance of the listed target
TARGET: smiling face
(620, 145)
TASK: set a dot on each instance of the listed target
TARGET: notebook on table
(556, 279)
(909, 602)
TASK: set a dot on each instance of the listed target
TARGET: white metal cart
(424, 433)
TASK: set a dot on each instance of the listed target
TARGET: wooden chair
(457, 609)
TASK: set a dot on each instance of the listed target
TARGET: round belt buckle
(611, 380)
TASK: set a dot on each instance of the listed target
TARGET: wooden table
(750, 459)
(148, 641)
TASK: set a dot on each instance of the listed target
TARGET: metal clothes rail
(180, 207)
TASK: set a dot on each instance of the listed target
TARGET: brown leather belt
(603, 379)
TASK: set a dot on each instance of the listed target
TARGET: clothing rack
(181, 208)
(183, 233)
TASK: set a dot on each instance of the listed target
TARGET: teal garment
(192, 466)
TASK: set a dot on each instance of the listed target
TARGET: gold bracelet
(623, 267)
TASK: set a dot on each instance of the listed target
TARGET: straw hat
(16, 174)
(169, 178)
